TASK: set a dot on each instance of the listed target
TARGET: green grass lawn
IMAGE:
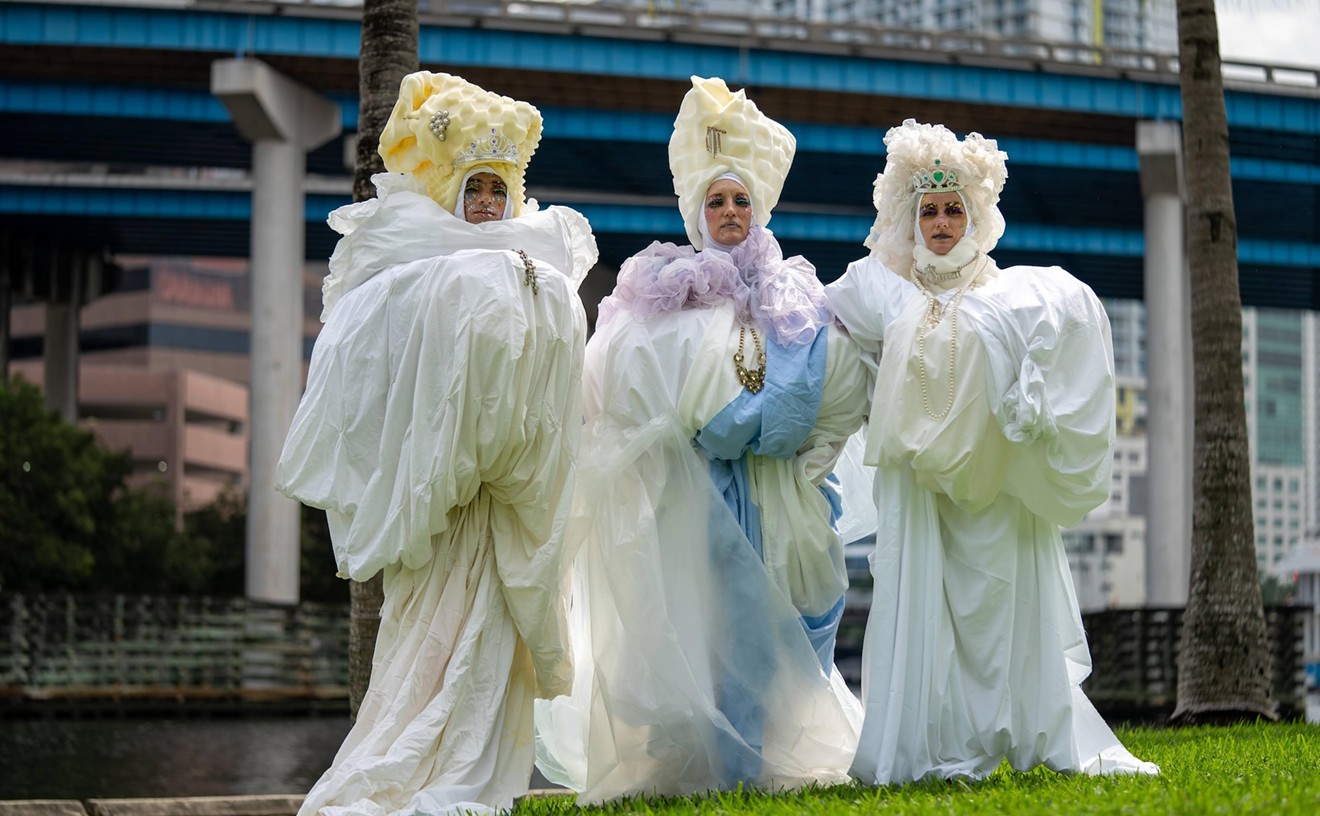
(1250, 769)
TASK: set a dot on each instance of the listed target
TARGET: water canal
(137, 757)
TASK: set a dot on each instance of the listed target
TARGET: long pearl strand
(934, 314)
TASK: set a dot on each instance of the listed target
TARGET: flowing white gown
(702, 663)
(439, 431)
(974, 649)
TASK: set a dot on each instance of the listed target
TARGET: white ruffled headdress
(913, 152)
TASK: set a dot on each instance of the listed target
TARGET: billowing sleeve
(865, 301)
(432, 380)
(843, 405)
(1050, 377)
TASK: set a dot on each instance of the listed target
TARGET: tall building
(1107, 550)
(1311, 420)
(1130, 25)
(1281, 379)
(1273, 364)
(164, 368)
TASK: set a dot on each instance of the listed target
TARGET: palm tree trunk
(1223, 672)
(388, 53)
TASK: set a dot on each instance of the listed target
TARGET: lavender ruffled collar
(783, 296)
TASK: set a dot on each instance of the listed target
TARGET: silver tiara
(493, 147)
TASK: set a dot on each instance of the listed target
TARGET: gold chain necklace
(934, 314)
(753, 379)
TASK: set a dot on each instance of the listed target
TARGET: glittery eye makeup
(475, 188)
(952, 209)
(717, 201)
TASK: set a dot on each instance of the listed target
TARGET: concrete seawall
(269, 805)
(186, 806)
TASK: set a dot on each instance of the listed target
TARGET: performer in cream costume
(438, 431)
(993, 425)
(710, 583)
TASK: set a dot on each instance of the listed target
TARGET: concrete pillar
(1169, 406)
(283, 120)
(60, 353)
(6, 302)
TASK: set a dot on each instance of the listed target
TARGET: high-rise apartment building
(1281, 379)
(1106, 551)
(1274, 360)
(1130, 25)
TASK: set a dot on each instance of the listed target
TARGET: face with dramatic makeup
(728, 210)
(942, 218)
(484, 198)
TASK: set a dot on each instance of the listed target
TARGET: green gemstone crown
(936, 179)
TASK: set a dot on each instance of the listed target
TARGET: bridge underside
(617, 173)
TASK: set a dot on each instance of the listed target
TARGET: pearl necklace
(934, 314)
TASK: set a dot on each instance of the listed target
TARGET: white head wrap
(912, 148)
(707, 241)
(481, 168)
(443, 123)
(718, 131)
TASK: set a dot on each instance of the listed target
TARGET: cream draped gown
(974, 649)
(695, 667)
(439, 431)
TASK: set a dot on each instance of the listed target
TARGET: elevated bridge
(109, 131)
(112, 143)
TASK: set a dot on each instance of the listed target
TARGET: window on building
(1075, 542)
(1113, 543)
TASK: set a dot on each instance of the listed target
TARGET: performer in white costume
(993, 425)
(710, 582)
(439, 430)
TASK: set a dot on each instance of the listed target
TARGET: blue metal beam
(120, 202)
(256, 34)
(59, 99)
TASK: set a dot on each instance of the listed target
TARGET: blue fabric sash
(774, 422)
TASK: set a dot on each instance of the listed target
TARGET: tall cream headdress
(925, 158)
(443, 124)
(717, 132)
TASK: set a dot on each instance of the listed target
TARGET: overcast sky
(1282, 32)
